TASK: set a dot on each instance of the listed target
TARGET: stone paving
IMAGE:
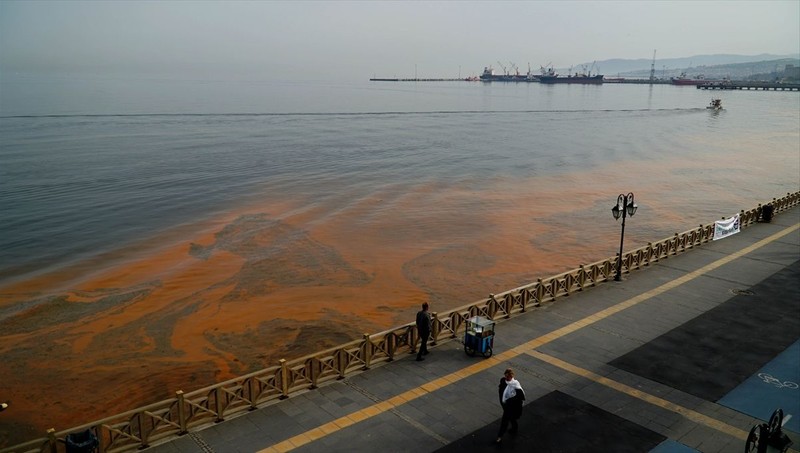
(584, 361)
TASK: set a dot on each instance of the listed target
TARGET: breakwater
(762, 86)
(143, 426)
(420, 80)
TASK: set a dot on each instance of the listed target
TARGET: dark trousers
(423, 349)
(504, 424)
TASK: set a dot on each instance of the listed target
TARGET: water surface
(162, 234)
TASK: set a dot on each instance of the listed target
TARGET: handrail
(139, 428)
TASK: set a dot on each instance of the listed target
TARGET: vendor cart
(479, 336)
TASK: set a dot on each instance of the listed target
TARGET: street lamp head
(616, 212)
(618, 208)
(631, 207)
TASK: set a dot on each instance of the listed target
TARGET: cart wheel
(776, 421)
(754, 438)
(488, 352)
(469, 350)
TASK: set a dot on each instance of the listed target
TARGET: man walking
(511, 398)
(424, 330)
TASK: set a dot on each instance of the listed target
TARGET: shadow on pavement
(558, 422)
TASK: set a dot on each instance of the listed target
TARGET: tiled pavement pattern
(584, 362)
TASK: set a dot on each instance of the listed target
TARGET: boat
(699, 79)
(716, 104)
(550, 76)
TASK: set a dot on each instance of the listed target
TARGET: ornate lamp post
(625, 207)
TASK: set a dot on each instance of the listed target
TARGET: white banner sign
(725, 228)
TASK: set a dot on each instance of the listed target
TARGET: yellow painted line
(379, 408)
(694, 416)
(329, 428)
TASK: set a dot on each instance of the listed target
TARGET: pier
(765, 86)
(637, 81)
(420, 80)
(733, 85)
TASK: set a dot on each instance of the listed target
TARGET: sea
(166, 233)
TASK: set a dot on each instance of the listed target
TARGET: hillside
(721, 65)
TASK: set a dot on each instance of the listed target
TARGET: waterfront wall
(173, 417)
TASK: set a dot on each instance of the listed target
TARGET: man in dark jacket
(511, 398)
(424, 330)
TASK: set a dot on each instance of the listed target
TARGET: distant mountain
(619, 66)
(756, 70)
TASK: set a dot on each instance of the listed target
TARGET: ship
(489, 75)
(683, 79)
(550, 76)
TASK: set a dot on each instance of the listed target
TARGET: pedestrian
(511, 398)
(424, 330)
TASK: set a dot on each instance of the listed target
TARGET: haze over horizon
(353, 40)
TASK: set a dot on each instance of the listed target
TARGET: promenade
(686, 355)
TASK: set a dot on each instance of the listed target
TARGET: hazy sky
(356, 40)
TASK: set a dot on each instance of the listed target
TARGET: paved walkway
(676, 358)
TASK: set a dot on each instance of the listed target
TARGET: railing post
(341, 365)
(101, 439)
(143, 434)
(52, 442)
(539, 293)
(284, 380)
(218, 404)
(391, 345)
(523, 299)
(507, 303)
(435, 327)
(181, 412)
(367, 351)
(314, 370)
(251, 392)
(650, 253)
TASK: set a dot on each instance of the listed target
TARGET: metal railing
(141, 427)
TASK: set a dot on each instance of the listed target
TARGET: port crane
(505, 71)
(653, 67)
(587, 70)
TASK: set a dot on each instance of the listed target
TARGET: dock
(733, 85)
(637, 81)
(419, 80)
(765, 86)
